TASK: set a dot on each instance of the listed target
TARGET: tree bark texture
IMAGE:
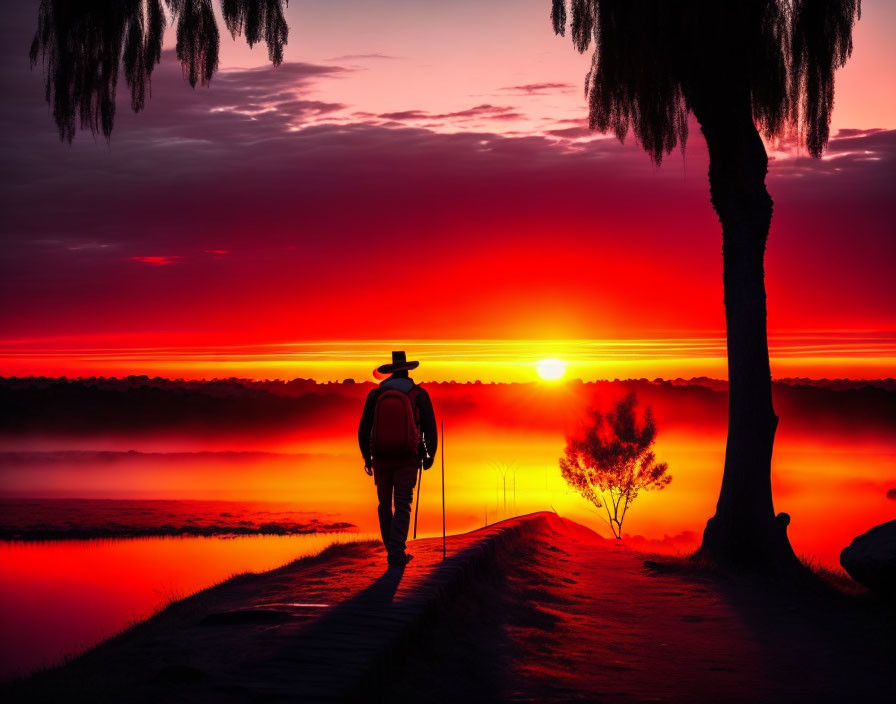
(744, 531)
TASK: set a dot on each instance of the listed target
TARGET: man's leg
(383, 479)
(404, 480)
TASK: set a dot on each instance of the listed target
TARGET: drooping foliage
(197, 39)
(654, 59)
(83, 45)
(613, 460)
(258, 21)
(821, 43)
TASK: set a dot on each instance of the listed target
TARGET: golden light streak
(832, 354)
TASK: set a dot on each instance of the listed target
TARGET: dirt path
(572, 617)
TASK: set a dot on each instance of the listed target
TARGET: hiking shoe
(399, 560)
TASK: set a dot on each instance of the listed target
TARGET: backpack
(395, 435)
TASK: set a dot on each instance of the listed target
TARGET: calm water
(59, 598)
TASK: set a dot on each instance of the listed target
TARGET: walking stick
(444, 546)
(417, 507)
(420, 481)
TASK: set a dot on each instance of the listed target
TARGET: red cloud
(539, 88)
(158, 260)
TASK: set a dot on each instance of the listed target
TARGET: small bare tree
(613, 461)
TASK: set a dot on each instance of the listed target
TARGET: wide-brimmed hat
(399, 363)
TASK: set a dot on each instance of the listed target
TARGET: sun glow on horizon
(831, 354)
(551, 369)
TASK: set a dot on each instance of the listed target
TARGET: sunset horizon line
(351, 380)
(827, 354)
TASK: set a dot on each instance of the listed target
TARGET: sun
(550, 369)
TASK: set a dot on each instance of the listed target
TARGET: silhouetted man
(397, 434)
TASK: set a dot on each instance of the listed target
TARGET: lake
(58, 598)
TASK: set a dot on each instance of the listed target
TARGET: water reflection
(83, 45)
(58, 598)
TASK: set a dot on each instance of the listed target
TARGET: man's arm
(366, 426)
(428, 425)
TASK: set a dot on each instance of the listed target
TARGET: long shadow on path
(348, 653)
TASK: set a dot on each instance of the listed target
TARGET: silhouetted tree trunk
(744, 530)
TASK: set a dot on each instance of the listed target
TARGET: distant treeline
(119, 531)
(83, 519)
(139, 404)
(96, 405)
